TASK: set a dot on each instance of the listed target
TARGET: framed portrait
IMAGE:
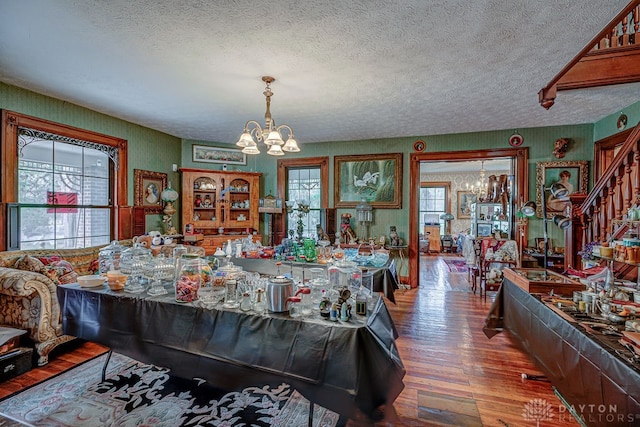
(208, 154)
(484, 230)
(573, 175)
(376, 178)
(540, 244)
(465, 200)
(147, 188)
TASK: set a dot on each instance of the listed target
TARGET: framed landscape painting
(207, 154)
(376, 178)
(465, 200)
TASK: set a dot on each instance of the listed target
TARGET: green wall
(142, 141)
(607, 126)
(169, 150)
(540, 142)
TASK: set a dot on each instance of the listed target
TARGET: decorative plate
(516, 140)
(622, 121)
(419, 145)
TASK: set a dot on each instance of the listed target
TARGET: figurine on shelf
(207, 202)
(394, 239)
(197, 201)
(320, 234)
(348, 232)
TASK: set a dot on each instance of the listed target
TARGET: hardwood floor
(455, 376)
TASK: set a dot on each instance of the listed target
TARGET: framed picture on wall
(465, 200)
(573, 175)
(147, 188)
(376, 178)
(207, 154)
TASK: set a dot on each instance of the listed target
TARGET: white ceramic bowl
(90, 281)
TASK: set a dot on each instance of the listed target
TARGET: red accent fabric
(59, 198)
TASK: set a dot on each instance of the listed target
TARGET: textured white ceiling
(345, 70)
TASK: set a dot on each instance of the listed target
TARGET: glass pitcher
(318, 285)
(344, 274)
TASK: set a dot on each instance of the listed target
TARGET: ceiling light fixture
(270, 135)
(480, 187)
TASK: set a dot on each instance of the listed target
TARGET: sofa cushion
(29, 263)
(60, 272)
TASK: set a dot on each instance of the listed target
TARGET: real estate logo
(537, 410)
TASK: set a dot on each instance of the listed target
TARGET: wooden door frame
(283, 164)
(521, 184)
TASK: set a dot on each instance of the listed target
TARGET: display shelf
(233, 210)
(486, 217)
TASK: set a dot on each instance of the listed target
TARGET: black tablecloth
(584, 369)
(347, 367)
(385, 279)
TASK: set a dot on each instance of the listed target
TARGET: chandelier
(270, 135)
(480, 187)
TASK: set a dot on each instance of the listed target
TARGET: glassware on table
(338, 253)
(344, 274)
(220, 277)
(294, 306)
(323, 251)
(136, 254)
(195, 280)
(366, 287)
(318, 284)
(136, 278)
(245, 301)
(178, 251)
(109, 257)
(162, 271)
(306, 304)
(260, 302)
(231, 297)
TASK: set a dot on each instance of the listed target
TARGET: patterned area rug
(136, 394)
(456, 265)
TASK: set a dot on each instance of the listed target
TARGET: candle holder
(300, 209)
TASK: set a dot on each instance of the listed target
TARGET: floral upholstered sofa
(28, 298)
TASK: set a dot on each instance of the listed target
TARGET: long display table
(601, 386)
(385, 278)
(351, 367)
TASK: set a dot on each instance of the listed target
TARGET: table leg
(311, 405)
(106, 363)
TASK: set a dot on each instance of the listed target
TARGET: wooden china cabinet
(221, 205)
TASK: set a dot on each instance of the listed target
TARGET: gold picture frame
(376, 178)
(465, 200)
(148, 186)
(549, 173)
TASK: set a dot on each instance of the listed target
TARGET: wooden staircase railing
(612, 195)
(611, 57)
